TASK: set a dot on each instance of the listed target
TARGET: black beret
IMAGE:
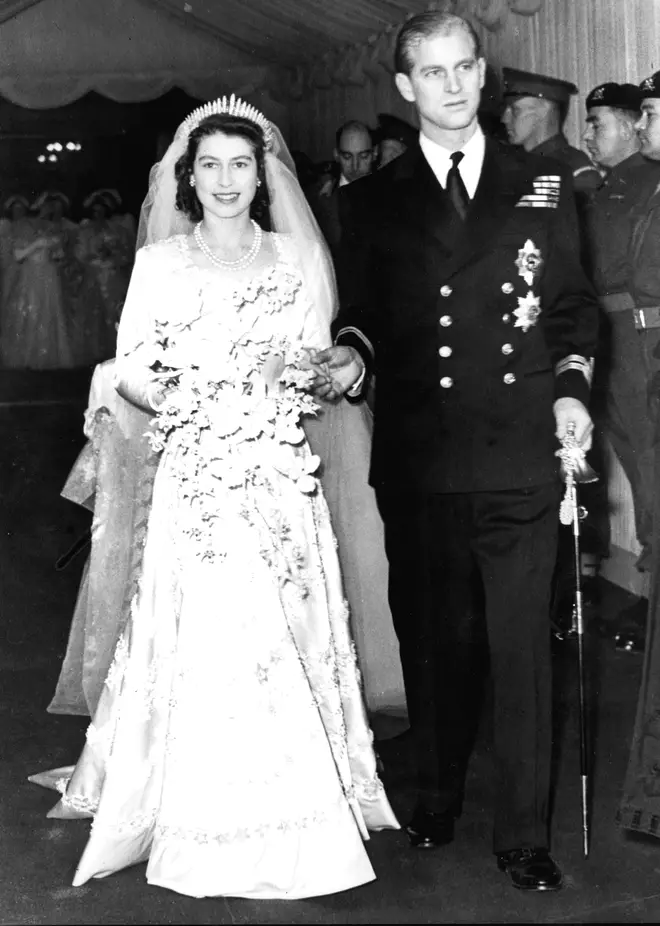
(651, 86)
(617, 96)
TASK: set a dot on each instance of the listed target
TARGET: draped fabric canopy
(52, 52)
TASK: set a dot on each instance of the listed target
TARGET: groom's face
(445, 81)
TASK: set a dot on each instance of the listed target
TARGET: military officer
(613, 144)
(634, 373)
(534, 114)
(461, 289)
(622, 383)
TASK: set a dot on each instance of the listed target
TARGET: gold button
(507, 348)
(446, 291)
(445, 351)
(507, 288)
(509, 378)
(506, 318)
(446, 321)
(446, 382)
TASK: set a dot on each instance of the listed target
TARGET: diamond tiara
(233, 106)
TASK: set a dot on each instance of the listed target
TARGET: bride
(230, 748)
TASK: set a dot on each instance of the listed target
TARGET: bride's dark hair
(186, 196)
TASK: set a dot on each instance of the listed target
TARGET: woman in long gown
(230, 747)
(16, 219)
(35, 333)
(105, 248)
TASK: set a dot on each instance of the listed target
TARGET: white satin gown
(230, 748)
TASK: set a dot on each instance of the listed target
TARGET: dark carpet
(40, 435)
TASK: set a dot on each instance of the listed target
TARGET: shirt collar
(439, 159)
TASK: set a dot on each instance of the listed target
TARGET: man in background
(640, 802)
(621, 389)
(355, 156)
(634, 374)
(535, 111)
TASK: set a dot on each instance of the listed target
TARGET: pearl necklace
(239, 264)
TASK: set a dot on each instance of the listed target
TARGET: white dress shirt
(439, 160)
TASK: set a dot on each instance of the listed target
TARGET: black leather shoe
(531, 869)
(429, 830)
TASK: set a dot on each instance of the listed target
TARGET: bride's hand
(161, 385)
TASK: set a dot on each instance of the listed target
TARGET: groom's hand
(572, 411)
(337, 370)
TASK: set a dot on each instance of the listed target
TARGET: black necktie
(455, 186)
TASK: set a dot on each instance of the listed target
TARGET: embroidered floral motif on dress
(204, 837)
(76, 801)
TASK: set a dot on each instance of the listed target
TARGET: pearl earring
(191, 180)
(258, 182)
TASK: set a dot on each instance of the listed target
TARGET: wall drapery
(52, 52)
(586, 41)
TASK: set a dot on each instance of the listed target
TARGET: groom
(462, 292)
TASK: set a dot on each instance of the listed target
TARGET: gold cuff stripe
(576, 362)
(365, 340)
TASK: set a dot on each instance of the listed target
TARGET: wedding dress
(230, 748)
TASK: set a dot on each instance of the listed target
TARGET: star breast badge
(529, 262)
(528, 311)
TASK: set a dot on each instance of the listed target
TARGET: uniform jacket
(586, 177)
(615, 208)
(645, 246)
(446, 314)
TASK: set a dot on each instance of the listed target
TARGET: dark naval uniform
(472, 328)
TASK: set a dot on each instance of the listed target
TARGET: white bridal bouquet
(231, 420)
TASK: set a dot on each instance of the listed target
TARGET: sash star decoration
(233, 106)
(529, 262)
(528, 311)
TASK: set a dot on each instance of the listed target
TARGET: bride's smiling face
(225, 172)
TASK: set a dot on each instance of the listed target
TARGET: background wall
(585, 41)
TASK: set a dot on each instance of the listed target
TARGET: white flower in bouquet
(234, 415)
